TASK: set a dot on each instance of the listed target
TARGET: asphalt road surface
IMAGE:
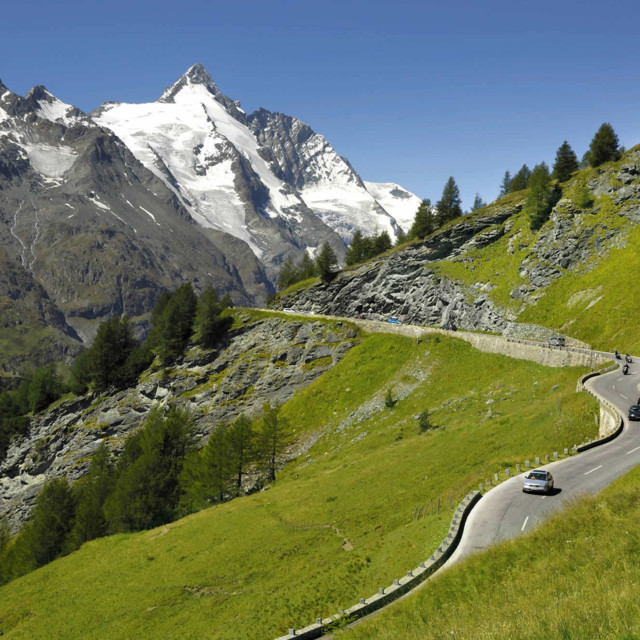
(506, 512)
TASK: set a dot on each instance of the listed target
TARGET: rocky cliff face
(404, 285)
(86, 232)
(484, 271)
(267, 359)
(100, 213)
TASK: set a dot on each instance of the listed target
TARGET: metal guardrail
(400, 586)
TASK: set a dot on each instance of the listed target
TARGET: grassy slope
(601, 305)
(339, 522)
(576, 577)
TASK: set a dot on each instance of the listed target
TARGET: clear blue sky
(410, 92)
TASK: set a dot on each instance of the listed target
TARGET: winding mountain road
(506, 512)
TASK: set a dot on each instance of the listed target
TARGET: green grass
(599, 305)
(575, 577)
(497, 263)
(339, 522)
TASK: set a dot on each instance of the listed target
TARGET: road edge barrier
(400, 586)
(417, 576)
(611, 408)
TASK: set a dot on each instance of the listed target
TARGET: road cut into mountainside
(506, 512)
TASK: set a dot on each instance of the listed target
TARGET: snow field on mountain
(347, 207)
(398, 202)
(186, 142)
(55, 110)
(52, 162)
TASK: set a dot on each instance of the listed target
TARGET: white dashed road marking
(524, 524)
(632, 450)
(592, 470)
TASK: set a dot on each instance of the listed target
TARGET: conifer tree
(520, 180)
(113, 344)
(306, 267)
(50, 521)
(354, 254)
(604, 146)
(424, 223)
(478, 203)
(566, 162)
(209, 326)
(541, 197)
(216, 464)
(176, 323)
(325, 262)
(241, 443)
(273, 437)
(381, 243)
(448, 207)
(401, 237)
(147, 488)
(44, 388)
(505, 186)
(288, 274)
(91, 493)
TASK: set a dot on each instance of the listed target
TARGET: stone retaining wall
(514, 348)
(611, 421)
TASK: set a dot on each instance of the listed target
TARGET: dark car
(556, 341)
(634, 412)
(538, 480)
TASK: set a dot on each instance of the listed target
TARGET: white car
(539, 481)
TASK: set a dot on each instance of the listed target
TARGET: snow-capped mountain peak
(258, 177)
(47, 106)
(198, 76)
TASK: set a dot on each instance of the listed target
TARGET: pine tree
(566, 162)
(176, 323)
(241, 441)
(208, 325)
(542, 196)
(216, 463)
(354, 254)
(273, 438)
(505, 186)
(91, 493)
(147, 488)
(381, 243)
(113, 344)
(306, 267)
(604, 146)
(520, 180)
(401, 237)
(478, 203)
(44, 388)
(325, 262)
(424, 223)
(448, 207)
(50, 521)
(288, 274)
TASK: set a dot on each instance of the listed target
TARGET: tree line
(323, 266)
(116, 359)
(159, 476)
(544, 185)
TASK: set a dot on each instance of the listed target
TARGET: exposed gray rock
(268, 360)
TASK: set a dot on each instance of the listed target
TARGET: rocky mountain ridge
(487, 270)
(264, 359)
(95, 223)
